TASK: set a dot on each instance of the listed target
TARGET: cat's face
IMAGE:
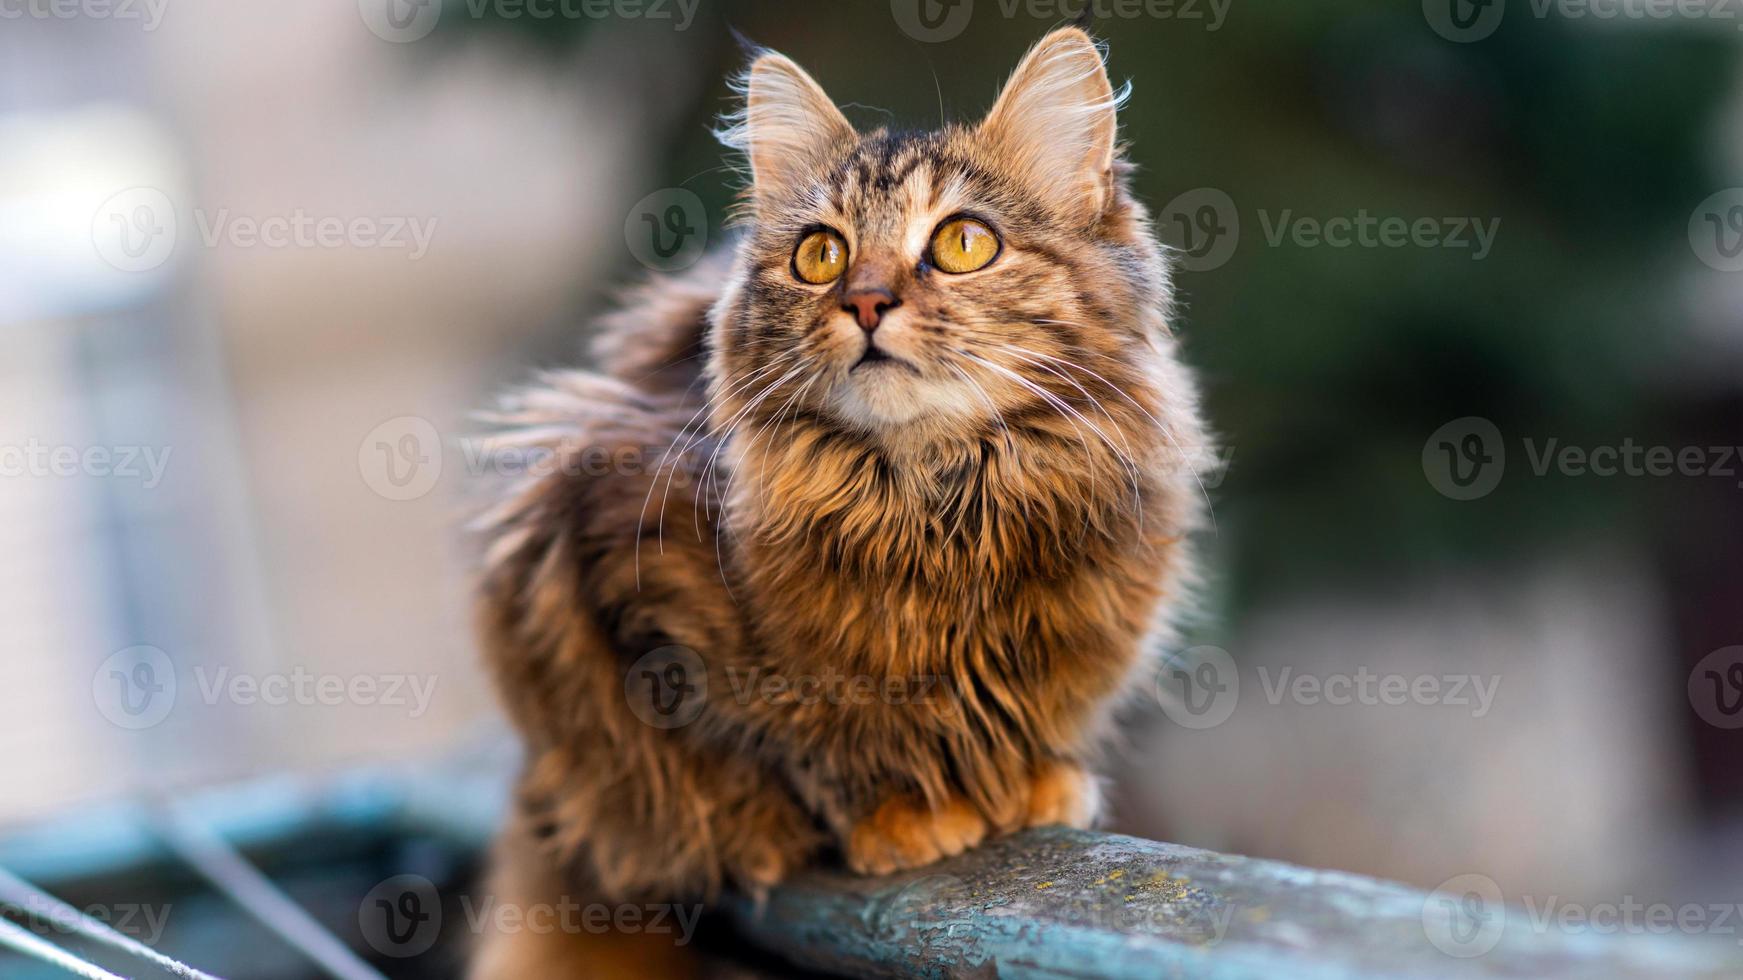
(940, 281)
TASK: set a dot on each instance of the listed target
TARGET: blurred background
(1464, 284)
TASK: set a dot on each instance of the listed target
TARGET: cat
(864, 529)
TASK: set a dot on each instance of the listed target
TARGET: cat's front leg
(1059, 792)
(905, 832)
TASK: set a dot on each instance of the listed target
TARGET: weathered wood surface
(1059, 903)
(1043, 905)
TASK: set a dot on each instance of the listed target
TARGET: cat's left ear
(1055, 123)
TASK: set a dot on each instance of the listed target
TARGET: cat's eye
(821, 257)
(963, 245)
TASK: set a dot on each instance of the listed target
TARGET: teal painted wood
(1059, 903)
(1042, 905)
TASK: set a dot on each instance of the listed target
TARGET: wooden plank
(1060, 903)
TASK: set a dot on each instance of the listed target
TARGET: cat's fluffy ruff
(991, 537)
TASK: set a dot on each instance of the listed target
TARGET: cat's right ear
(787, 127)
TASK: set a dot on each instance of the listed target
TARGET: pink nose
(868, 306)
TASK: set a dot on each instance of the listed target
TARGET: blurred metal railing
(456, 798)
(34, 902)
(226, 870)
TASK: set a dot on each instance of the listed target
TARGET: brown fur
(918, 591)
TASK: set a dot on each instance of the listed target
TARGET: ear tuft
(787, 125)
(1056, 122)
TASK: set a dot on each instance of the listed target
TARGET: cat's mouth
(876, 357)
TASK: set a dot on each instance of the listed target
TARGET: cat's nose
(868, 306)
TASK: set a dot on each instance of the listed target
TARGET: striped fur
(976, 547)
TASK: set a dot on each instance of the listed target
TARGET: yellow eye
(821, 257)
(963, 245)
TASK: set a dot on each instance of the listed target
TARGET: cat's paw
(761, 868)
(904, 833)
(1062, 793)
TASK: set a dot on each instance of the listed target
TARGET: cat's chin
(880, 396)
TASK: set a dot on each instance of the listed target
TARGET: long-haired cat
(862, 531)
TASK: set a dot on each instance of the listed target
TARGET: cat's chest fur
(954, 563)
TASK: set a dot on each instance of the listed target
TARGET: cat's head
(907, 285)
